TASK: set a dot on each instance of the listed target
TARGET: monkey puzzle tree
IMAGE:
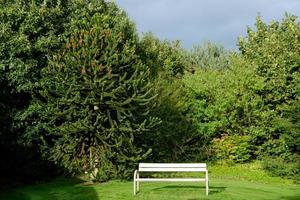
(95, 96)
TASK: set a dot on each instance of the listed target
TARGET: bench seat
(170, 167)
(170, 179)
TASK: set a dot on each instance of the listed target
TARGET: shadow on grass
(212, 189)
(59, 189)
(297, 197)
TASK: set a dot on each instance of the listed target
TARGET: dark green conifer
(95, 98)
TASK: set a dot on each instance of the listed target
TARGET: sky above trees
(195, 21)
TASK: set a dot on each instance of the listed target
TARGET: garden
(85, 98)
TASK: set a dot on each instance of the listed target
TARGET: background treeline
(82, 92)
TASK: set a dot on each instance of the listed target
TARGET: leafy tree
(274, 49)
(30, 32)
(162, 56)
(174, 140)
(226, 103)
(209, 56)
(256, 95)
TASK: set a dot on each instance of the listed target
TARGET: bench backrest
(172, 167)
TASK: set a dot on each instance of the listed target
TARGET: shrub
(232, 148)
(275, 148)
(277, 166)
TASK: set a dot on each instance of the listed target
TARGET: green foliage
(79, 84)
(257, 96)
(209, 56)
(174, 139)
(232, 148)
(95, 96)
(162, 56)
(274, 49)
(225, 101)
(275, 147)
(30, 31)
(277, 166)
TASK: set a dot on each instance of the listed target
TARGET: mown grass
(246, 181)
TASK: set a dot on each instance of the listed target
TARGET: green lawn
(237, 182)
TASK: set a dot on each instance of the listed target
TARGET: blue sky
(196, 21)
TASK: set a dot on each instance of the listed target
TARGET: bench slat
(173, 165)
(164, 169)
(170, 167)
(170, 179)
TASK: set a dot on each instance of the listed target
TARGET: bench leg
(134, 182)
(206, 182)
(138, 183)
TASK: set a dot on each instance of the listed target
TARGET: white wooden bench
(169, 167)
